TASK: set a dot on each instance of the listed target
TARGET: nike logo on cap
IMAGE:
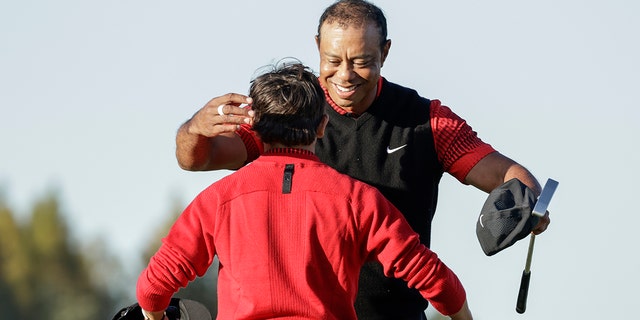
(390, 151)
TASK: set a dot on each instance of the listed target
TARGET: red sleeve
(390, 239)
(251, 141)
(457, 145)
(186, 252)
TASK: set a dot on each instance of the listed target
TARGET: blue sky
(91, 94)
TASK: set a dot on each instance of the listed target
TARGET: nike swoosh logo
(481, 224)
(390, 151)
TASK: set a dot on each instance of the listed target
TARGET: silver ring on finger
(220, 112)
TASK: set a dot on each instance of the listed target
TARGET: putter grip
(521, 305)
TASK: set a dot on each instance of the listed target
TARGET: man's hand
(208, 141)
(542, 225)
(220, 115)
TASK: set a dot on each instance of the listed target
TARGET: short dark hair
(355, 13)
(288, 102)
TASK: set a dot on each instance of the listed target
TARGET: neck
(310, 147)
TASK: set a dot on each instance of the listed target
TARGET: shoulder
(412, 98)
(402, 104)
(334, 182)
(395, 91)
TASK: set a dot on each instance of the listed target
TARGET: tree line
(44, 274)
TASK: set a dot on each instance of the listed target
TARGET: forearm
(496, 169)
(436, 283)
(425, 272)
(196, 152)
(440, 286)
(402, 256)
(525, 176)
(208, 141)
(193, 150)
(155, 287)
(169, 269)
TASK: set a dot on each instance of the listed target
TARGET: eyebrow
(363, 56)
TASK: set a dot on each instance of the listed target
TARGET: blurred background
(92, 93)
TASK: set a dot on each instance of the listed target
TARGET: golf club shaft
(521, 304)
(532, 241)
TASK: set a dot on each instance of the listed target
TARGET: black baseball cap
(506, 217)
(182, 309)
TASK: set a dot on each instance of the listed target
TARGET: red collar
(289, 151)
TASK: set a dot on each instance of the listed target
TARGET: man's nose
(345, 71)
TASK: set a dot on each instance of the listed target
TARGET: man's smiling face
(350, 62)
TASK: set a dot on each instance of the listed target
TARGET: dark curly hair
(288, 102)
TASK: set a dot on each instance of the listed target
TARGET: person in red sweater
(290, 232)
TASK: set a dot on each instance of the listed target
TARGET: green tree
(62, 280)
(14, 266)
(43, 273)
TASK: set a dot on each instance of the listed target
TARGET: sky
(92, 93)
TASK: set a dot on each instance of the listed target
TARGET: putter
(539, 210)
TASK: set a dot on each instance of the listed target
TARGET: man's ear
(385, 51)
(322, 126)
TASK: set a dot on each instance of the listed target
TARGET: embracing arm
(196, 152)
(472, 161)
(208, 140)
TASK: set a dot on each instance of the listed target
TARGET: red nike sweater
(291, 241)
